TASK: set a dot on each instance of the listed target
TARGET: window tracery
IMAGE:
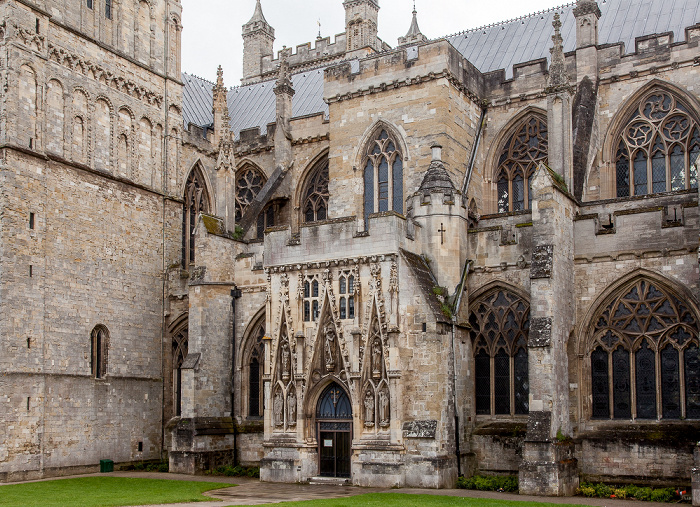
(647, 338)
(659, 147)
(249, 182)
(518, 161)
(312, 298)
(196, 202)
(180, 346)
(315, 203)
(346, 293)
(383, 176)
(500, 325)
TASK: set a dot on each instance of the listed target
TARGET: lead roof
(488, 48)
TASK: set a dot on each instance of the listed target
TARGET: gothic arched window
(249, 183)
(500, 325)
(383, 176)
(196, 201)
(644, 356)
(315, 197)
(99, 347)
(180, 345)
(659, 147)
(254, 361)
(521, 154)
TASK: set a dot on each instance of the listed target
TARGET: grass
(104, 492)
(409, 500)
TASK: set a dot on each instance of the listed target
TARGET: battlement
(323, 52)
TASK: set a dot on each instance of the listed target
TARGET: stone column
(548, 466)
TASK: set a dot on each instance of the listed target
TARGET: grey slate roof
(501, 45)
(497, 46)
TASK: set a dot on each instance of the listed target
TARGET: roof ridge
(198, 77)
(505, 22)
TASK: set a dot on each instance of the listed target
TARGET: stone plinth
(548, 469)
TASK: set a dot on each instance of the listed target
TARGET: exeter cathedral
(383, 264)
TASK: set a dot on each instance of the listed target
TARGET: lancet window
(522, 152)
(254, 360)
(312, 298)
(644, 356)
(659, 147)
(180, 344)
(346, 295)
(315, 197)
(500, 325)
(196, 201)
(99, 346)
(383, 176)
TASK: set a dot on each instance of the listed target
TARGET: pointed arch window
(658, 148)
(249, 182)
(315, 204)
(99, 348)
(644, 356)
(383, 176)
(519, 157)
(180, 345)
(196, 201)
(254, 361)
(500, 325)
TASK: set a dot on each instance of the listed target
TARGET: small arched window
(99, 348)
(180, 345)
(196, 201)
(383, 176)
(644, 356)
(249, 183)
(315, 196)
(658, 148)
(519, 157)
(500, 326)
(255, 358)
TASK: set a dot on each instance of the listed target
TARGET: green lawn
(408, 500)
(104, 492)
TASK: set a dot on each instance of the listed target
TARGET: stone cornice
(349, 261)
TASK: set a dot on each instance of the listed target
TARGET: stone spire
(557, 66)
(220, 108)
(414, 34)
(436, 179)
(258, 38)
(284, 93)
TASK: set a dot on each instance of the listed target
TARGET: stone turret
(587, 15)
(258, 38)
(414, 34)
(361, 25)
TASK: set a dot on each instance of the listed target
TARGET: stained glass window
(249, 183)
(315, 204)
(383, 177)
(196, 201)
(651, 328)
(500, 325)
(520, 156)
(256, 355)
(655, 149)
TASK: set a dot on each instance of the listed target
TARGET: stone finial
(584, 7)
(557, 66)
(587, 14)
(414, 34)
(220, 108)
(284, 79)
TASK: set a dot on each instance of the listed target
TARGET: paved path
(253, 492)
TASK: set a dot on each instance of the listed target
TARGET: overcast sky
(212, 28)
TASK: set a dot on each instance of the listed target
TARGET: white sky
(212, 28)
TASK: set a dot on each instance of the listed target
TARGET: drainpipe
(235, 294)
(462, 284)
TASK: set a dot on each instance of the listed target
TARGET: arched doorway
(334, 429)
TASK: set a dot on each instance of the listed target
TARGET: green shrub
(662, 495)
(630, 491)
(507, 483)
(236, 471)
(588, 491)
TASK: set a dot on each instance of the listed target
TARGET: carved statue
(369, 408)
(286, 362)
(277, 409)
(384, 407)
(330, 346)
(377, 358)
(292, 408)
